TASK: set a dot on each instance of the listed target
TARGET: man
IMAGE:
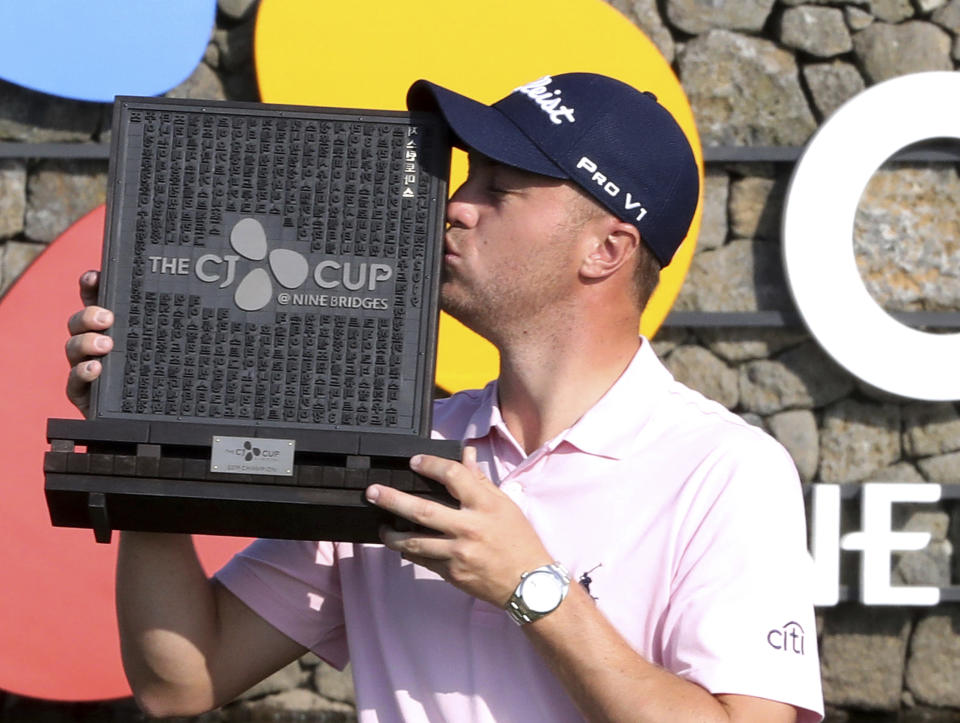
(683, 524)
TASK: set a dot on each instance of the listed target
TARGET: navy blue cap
(615, 142)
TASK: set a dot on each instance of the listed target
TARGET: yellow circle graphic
(366, 55)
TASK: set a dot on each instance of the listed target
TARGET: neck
(548, 382)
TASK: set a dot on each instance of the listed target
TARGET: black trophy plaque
(274, 273)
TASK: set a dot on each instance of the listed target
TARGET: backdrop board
(274, 271)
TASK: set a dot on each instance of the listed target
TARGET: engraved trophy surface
(274, 273)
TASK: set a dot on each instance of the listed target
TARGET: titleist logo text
(548, 100)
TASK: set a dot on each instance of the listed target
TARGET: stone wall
(758, 72)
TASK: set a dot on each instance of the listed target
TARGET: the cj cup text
(331, 301)
(328, 274)
(264, 453)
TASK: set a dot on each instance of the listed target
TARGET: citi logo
(789, 638)
(548, 100)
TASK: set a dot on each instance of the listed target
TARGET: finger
(416, 546)
(437, 566)
(90, 318)
(469, 459)
(78, 384)
(410, 507)
(84, 346)
(461, 481)
(89, 287)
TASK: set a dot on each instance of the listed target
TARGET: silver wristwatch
(540, 592)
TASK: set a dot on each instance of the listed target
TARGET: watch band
(520, 611)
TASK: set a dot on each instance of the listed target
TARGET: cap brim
(482, 128)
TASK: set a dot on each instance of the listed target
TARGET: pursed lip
(449, 251)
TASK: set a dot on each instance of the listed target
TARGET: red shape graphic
(58, 636)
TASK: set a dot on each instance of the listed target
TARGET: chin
(475, 319)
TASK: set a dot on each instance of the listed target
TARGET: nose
(461, 212)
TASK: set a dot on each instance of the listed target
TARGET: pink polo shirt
(688, 522)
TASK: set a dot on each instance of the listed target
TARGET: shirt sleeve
(295, 586)
(741, 615)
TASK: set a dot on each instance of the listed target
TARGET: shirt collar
(487, 415)
(610, 426)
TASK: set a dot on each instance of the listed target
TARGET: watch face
(541, 591)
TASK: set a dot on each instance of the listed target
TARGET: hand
(483, 548)
(86, 342)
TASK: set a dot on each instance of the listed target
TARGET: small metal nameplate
(252, 455)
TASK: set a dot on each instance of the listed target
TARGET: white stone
(863, 655)
(17, 256)
(797, 431)
(832, 84)
(755, 207)
(236, 9)
(907, 237)
(942, 469)
(646, 16)
(699, 369)
(744, 91)
(698, 16)
(933, 668)
(857, 439)
(886, 51)
(891, 11)
(742, 275)
(746, 344)
(13, 196)
(713, 223)
(930, 429)
(819, 31)
(856, 18)
(60, 192)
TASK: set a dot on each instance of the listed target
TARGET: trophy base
(158, 477)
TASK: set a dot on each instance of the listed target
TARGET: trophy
(274, 273)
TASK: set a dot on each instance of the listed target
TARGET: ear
(610, 251)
